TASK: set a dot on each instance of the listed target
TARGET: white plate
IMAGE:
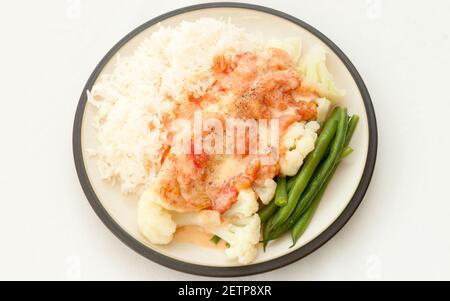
(342, 196)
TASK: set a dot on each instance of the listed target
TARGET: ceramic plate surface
(342, 198)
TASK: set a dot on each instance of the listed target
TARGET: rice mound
(136, 100)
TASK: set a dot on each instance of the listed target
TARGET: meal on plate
(221, 134)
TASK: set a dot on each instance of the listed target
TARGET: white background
(48, 230)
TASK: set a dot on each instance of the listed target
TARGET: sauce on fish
(249, 86)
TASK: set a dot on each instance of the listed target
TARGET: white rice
(144, 88)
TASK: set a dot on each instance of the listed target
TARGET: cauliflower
(204, 218)
(323, 106)
(243, 238)
(298, 141)
(155, 222)
(316, 75)
(265, 190)
(245, 206)
(158, 224)
(242, 227)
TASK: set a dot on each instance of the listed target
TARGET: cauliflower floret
(323, 107)
(312, 126)
(204, 218)
(293, 133)
(265, 190)
(155, 222)
(316, 75)
(158, 224)
(245, 206)
(243, 238)
(298, 141)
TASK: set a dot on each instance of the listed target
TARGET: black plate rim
(253, 269)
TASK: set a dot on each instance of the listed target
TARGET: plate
(341, 200)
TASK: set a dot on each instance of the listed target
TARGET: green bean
(296, 215)
(327, 166)
(215, 239)
(352, 124)
(290, 183)
(346, 152)
(302, 224)
(281, 230)
(267, 211)
(300, 215)
(266, 234)
(306, 172)
(280, 193)
(278, 231)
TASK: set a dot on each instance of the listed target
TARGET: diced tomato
(165, 154)
(199, 160)
(308, 110)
